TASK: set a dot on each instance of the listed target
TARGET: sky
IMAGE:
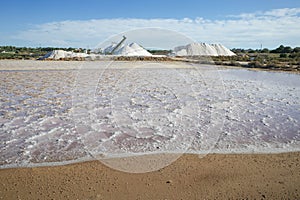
(77, 23)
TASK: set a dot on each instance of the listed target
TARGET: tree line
(281, 49)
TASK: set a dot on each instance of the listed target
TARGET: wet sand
(216, 176)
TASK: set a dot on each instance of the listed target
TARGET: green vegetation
(281, 58)
(160, 52)
(11, 52)
(280, 49)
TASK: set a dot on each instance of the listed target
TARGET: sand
(216, 176)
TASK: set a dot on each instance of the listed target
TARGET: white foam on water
(138, 111)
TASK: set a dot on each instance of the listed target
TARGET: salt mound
(132, 49)
(111, 47)
(222, 50)
(202, 49)
(135, 46)
(137, 50)
(58, 54)
(125, 51)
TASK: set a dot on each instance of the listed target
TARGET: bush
(283, 55)
(255, 64)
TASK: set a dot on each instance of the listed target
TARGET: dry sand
(256, 176)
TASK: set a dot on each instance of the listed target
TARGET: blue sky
(235, 23)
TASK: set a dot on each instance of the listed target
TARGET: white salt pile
(110, 48)
(58, 54)
(222, 50)
(202, 49)
(132, 49)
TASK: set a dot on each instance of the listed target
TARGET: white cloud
(271, 28)
(283, 12)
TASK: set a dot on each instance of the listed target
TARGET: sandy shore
(256, 176)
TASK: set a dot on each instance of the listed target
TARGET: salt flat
(55, 111)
